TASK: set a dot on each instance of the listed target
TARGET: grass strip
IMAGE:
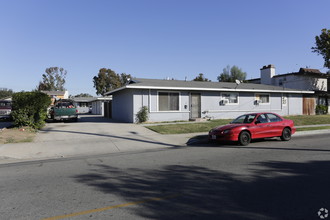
(206, 126)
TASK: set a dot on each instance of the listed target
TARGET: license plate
(214, 137)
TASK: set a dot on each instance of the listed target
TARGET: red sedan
(253, 126)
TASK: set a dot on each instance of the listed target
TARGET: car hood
(229, 126)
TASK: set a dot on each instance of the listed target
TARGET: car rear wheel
(286, 134)
(244, 138)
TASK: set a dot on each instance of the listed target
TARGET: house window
(168, 101)
(263, 98)
(232, 97)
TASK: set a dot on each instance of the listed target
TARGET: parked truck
(64, 109)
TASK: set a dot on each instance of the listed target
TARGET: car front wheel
(244, 138)
(286, 134)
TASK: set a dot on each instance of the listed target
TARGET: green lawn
(309, 119)
(206, 126)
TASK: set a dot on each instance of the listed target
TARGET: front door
(195, 107)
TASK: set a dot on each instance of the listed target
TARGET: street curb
(194, 141)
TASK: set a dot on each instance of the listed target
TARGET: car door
(276, 125)
(260, 130)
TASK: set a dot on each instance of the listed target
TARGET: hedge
(30, 109)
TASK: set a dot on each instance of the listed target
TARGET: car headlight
(226, 131)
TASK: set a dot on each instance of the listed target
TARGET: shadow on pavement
(202, 141)
(276, 190)
(84, 118)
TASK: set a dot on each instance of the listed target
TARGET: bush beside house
(30, 109)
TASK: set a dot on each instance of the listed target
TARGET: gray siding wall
(149, 98)
(122, 106)
(210, 105)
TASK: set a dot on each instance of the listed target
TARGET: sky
(155, 38)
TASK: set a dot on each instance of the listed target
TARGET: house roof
(139, 83)
(84, 99)
(91, 99)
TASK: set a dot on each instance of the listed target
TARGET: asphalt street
(266, 180)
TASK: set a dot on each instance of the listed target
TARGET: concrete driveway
(91, 135)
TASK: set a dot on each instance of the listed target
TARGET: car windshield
(244, 119)
(5, 104)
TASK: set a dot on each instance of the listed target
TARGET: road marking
(111, 207)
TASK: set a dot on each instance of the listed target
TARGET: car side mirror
(257, 122)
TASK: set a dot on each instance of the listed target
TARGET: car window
(262, 118)
(249, 118)
(273, 118)
(239, 120)
(243, 119)
(5, 104)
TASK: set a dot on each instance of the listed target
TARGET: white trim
(157, 100)
(115, 90)
(211, 89)
(237, 93)
(149, 101)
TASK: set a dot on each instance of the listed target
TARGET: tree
(201, 77)
(231, 74)
(5, 93)
(53, 79)
(322, 47)
(108, 80)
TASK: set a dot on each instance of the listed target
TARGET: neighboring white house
(305, 79)
(171, 100)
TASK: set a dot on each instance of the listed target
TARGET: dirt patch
(16, 135)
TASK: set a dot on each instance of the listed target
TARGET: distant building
(305, 79)
(94, 105)
(56, 95)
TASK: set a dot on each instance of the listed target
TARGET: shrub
(321, 109)
(30, 109)
(142, 115)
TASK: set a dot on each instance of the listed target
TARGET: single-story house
(173, 100)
